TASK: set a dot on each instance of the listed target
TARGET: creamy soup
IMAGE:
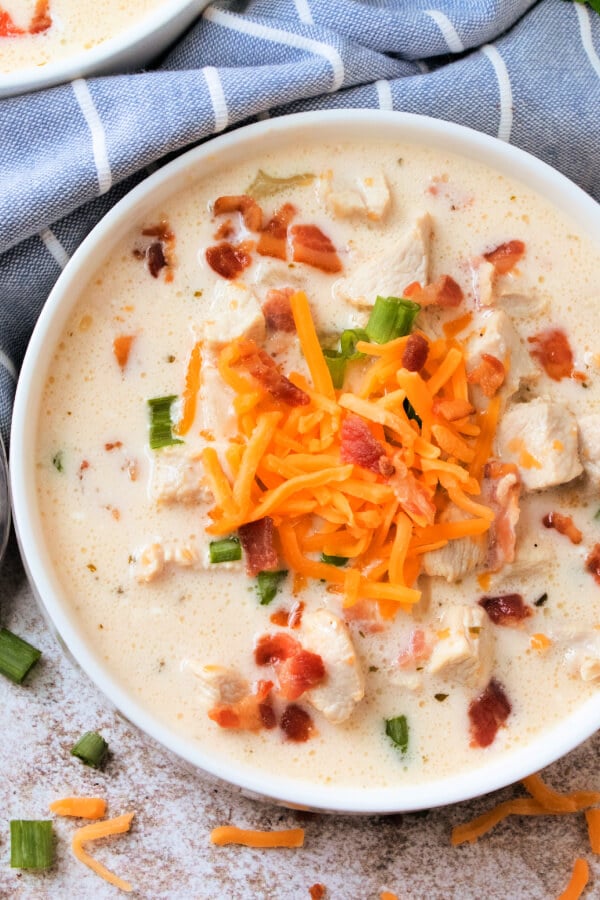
(318, 463)
(36, 32)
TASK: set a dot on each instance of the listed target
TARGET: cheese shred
(94, 832)
(229, 834)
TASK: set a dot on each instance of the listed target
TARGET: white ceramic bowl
(127, 51)
(211, 157)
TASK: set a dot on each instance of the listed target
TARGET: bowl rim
(509, 767)
(99, 58)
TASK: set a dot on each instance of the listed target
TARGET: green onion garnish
(161, 434)
(597, 514)
(226, 550)
(57, 461)
(541, 600)
(91, 749)
(391, 317)
(348, 341)
(410, 411)
(267, 585)
(334, 560)
(31, 844)
(17, 657)
(336, 363)
(397, 730)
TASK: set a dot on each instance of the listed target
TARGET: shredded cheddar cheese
(578, 882)
(80, 807)
(94, 832)
(229, 834)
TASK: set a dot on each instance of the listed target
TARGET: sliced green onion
(334, 560)
(410, 411)
(336, 363)
(91, 749)
(265, 185)
(161, 433)
(348, 341)
(17, 657)
(397, 730)
(57, 461)
(226, 550)
(541, 600)
(267, 585)
(31, 844)
(391, 317)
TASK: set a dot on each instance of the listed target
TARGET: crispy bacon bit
(226, 260)
(487, 713)
(291, 618)
(299, 673)
(113, 445)
(506, 256)
(311, 246)
(41, 19)
(8, 27)
(358, 444)
(84, 465)
(277, 310)
(273, 238)
(242, 203)
(224, 231)
(418, 649)
(158, 253)
(507, 609)
(443, 292)
(257, 540)
(452, 409)
(251, 713)
(552, 350)
(414, 496)
(122, 347)
(592, 562)
(274, 648)
(564, 525)
(296, 724)
(317, 891)
(489, 374)
(415, 353)
(264, 368)
(500, 490)
(155, 258)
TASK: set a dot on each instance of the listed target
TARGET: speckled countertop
(168, 853)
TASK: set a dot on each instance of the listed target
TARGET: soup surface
(36, 32)
(403, 529)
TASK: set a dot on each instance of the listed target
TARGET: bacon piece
(592, 562)
(500, 490)
(489, 374)
(274, 648)
(41, 19)
(155, 258)
(257, 539)
(251, 713)
(273, 238)
(505, 256)
(248, 207)
(8, 27)
(264, 368)
(311, 246)
(224, 231)
(564, 525)
(300, 672)
(487, 713)
(358, 446)
(506, 609)
(113, 445)
(443, 292)
(418, 649)
(277, 310)
(226, 260)
(317, 891)
(288, 618)
(158, 253)
(552, 350)
(296, 724)
(413, 495)
(415, 353)
(122, 347)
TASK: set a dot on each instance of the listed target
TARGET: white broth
(126, 524)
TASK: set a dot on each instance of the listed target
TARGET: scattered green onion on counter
(91, 749)
(267, 585)
(397, 730)
(161, 425)
(226, 550)
(391, 317)
(31, 844)
(17, 657)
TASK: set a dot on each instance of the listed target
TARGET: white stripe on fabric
(506, 99)
(384, 94)
(304, 13)
(455, 45)
(217, 96)
(7, 363)
(54, 247)
(99, 149)
(586, 37)
(277, 35)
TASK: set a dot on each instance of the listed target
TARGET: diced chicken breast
(375, 194)
(217, 684)
(233, 312)
(177, 476)
(495, 335)
(463, 651)
(216, 417)
(484, 279)
(458, 557)
(152, 559)
(589, 445)
(345, 204)
(343, 687)
(541, 438)
(387, 273)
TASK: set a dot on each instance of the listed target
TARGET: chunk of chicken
(325, 634)
(589, 445)
(541, 438)
(216, 417)
(233, 312)
(464, 651)
(152, 559)
(375, 194)
(458, 557)
(177, 476)
(495, 335)
(218, 684)
(345, 204)
(484, 279)
(370, 199)
(388, 272)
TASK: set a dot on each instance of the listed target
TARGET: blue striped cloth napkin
(527, 72)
